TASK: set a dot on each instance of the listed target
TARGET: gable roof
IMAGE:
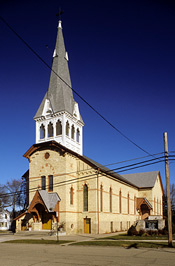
(141, 201)
(2, 210)
(50, 199)
(143, 180)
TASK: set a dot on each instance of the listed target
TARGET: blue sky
(121, 60)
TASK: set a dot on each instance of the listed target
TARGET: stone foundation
(150, 224)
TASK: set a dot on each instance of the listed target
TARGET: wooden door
(145, 212)
(87, 225)
(23, 225)
(47, 221)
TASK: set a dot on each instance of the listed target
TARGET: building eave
(55, 145)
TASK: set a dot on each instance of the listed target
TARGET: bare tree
(172, 195)
(4, 199)
(13, 194)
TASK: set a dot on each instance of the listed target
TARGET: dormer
(76, 112)
(47, 110)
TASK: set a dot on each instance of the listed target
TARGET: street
(46, 255)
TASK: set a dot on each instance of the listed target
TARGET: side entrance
(46, 221)
(87, 225)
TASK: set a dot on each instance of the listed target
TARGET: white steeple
(58, 117)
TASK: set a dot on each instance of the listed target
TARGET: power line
(106, 170)
(87, 177)
(110, 171)
(140, 166)
(98, 113)
(134, 159)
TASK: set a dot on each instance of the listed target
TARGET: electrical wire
(97, 167)
(110, 171)
(97, 112)
(134, 159)
(87, 177)
(133, 166)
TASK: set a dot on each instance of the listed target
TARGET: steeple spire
(59, 97)
(59, 92)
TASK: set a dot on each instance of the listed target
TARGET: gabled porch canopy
(44, 202)
(143, 207)
(141, 201)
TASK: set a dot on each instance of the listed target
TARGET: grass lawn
(118, 243)
(129, 244)
(37, 241)
(126, 237)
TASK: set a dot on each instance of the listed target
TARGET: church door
(145, 212)
(47, 221)
(87, 225)
(23, 225)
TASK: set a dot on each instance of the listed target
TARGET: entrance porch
(42, 214)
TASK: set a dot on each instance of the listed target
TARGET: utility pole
(57, 226)
(170, 241)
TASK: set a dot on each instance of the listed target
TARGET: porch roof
(141, 201)
(50, 199)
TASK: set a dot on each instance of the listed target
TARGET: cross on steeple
(60, 12)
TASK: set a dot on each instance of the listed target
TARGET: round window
(47, 155)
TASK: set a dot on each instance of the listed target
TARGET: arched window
(120, 202)
(154, 206)
(43, 182)
(134, 204)
(50, 182)
(72, 132)
(58, 128)
(71, 196)
(78, 135)
(42, 132)
(67, 128)
(128, 203)
(110, 199)
(101, 198)
(50, 130)
(85, 198)
(157, 206)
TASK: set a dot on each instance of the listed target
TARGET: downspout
(98, 201)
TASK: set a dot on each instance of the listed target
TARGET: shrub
(173, 228)
(162, 231)
(152, 232)
(145, 234)
(165, 232)
(132, 231)
(141, 232)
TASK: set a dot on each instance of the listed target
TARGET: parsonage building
(63, 184)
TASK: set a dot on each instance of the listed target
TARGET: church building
(66, 188)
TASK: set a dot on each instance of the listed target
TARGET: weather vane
(60, 12)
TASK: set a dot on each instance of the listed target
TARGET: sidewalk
(6, 236)
(46, 235)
